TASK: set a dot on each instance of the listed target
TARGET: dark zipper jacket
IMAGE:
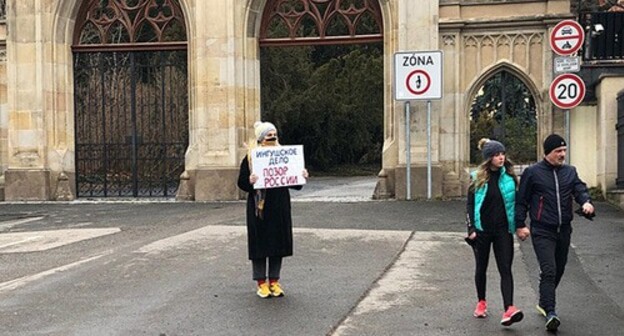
(547, 193)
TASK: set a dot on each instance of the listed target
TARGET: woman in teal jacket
(490, 221)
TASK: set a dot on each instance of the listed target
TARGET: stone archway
(503, 96)
(254, 30)
(131, 98)
(41, 163)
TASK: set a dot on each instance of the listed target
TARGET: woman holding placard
(269, 222)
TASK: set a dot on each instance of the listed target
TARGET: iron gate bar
(619, 181)
(135, 176)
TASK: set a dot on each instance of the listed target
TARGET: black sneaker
(552, 322)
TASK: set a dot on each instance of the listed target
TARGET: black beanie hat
(553, 141)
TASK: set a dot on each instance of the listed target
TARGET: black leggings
(503, 252)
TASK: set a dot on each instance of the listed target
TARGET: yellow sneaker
(276, 289)
(264, 291)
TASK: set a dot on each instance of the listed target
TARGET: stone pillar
(418, 30)
(27, 177)
(215, 98)
(4, 116)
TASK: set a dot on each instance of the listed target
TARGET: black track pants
(503, 253)
(551, 249)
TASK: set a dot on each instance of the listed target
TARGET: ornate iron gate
(131, 122)
(620, 142)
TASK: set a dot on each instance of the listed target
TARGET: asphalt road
(360, 268)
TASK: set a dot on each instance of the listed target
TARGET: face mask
(273, 139)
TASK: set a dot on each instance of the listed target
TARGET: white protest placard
(278, 166)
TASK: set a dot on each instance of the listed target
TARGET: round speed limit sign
(567, 91)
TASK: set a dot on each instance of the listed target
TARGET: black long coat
(272, 235)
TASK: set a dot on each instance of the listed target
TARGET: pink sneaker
(481, 310)
(512, 315)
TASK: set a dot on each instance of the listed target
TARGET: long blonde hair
(483, 171)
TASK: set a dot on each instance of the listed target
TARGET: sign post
(418, 76)
(567, 90)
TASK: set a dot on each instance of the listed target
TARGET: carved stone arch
(536, 38)
(125, 25)
(517, 71)
(65, 14)
(488, 41)
(320, 15)
(253, 16)
(502, 65)
(520, 39)
(256, 8)
(503, 40)
(471, 41)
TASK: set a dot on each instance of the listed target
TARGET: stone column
(27, 177)
(217, 58)
(418, 30)
(4, 116)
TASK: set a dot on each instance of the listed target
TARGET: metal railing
(604, 40)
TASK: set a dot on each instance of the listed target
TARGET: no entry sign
(418, 75)
(567, 37)
(567, 91)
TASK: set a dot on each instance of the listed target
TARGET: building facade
(199, 63)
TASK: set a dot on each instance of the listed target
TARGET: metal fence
(605, 36)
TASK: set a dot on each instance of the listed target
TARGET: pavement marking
(27, 239)
(201, 238)
(35, 241)
(5, 225)
(196, 238)
(16, 283)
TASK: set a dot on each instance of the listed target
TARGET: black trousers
(551, 250)
(502, 241)
(259, 268)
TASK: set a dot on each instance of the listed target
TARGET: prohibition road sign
(567, 37)
(418, 75)
(418, 82)
(567, 91)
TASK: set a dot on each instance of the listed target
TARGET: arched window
(301, 22)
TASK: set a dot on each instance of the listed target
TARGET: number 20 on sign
(567, 91)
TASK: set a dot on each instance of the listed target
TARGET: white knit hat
(261, 129)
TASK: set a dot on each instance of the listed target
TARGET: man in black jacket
(547, 191)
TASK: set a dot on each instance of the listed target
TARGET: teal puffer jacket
(507, 186)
